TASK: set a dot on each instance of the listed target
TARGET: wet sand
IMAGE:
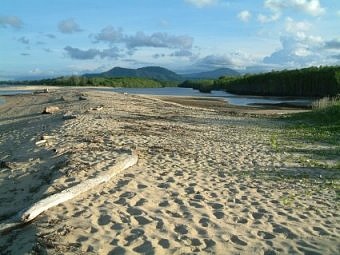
(201, 185)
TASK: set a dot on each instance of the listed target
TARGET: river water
(175, 91)
(231, 98)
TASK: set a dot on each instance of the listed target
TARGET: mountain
(150, 72)
(215, 74)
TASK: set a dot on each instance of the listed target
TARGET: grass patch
(322, 124)
(312, 139)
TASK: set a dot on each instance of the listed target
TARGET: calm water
(9, 92)
(173, 91)
(231, 98)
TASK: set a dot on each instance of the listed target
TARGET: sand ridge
(194, 190)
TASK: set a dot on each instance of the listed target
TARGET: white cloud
(312, 7)
(300, 51)
(215, 61)
(296, 27)
(110, 34)
(201, 3)
(76, 53)
(244, 15)
(68, 26)
(12, 21)
(159, 40)
(268, 18)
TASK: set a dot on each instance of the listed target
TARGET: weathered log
(51, 109)
(82, 98)
(37, 208)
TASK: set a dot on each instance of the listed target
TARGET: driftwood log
(51, 109)
(37, 208)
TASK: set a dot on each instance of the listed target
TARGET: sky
(40, 38)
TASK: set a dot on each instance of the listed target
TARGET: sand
(203, 183)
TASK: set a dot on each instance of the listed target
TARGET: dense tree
(307, 82)
(97, 81)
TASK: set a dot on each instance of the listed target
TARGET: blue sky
(40, 38)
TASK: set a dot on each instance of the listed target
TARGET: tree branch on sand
(28, 214)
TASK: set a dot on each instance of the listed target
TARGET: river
(175, 91)
(233, 99)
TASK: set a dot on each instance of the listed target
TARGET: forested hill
(306, 82)
(149, 72)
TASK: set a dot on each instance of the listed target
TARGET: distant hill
(150, 72)
(215, 74)
(162, 74)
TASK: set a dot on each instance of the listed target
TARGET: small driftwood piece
(6, 164)
(82, 98)
(41, 91)
(69, 116)
(47, 137)
(51, 109)
(40, 142)
(37, 208)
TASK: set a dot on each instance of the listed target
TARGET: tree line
(306, 82)
(126, 82)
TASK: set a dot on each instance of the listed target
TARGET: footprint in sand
(117, 226)
(142, 220)
(164, 203)
(120, 201)
(181, 229)
(218, 214)
(145, 248)
(141, 202)
(134, 211)
(195, 204)
(265, 235)
(117, 250)
(128, 195)
(236, 240)
(136, 233)
(279, 229)
(209, 243)
(196, 242)
(104, 219)
(164, 243)
(204, 222)
(320, 231)
(216, 206)
(141, 186)
(160, 224)
(257, 215)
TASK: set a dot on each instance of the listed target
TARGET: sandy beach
(202, 184)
